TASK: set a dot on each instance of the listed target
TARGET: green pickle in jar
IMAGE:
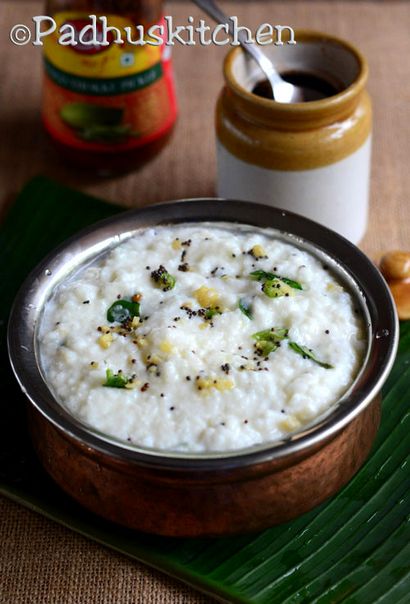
(108, 107)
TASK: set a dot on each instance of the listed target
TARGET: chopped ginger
(135, 322)
(334, 287)
(104, 329)
(207, 297)
(304, 415)
(220, 384)
(141, 342)
(166, 346)
(258, 252)
(105, 340)
(289, 424)
(133, 384)
(152, 359)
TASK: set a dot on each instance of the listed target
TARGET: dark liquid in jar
(314, 87)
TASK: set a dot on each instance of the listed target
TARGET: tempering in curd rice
(201, 337)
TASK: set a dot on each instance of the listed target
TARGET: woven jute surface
(39, 560)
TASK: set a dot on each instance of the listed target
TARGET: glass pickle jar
(107, 108)
(313, 157)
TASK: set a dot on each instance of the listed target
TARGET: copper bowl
(182, 494)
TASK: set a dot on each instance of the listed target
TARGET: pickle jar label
(106, 98)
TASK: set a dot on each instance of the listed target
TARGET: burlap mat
(40, 561)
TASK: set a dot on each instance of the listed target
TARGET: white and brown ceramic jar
(312, 158)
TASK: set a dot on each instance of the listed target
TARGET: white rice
(197, 383)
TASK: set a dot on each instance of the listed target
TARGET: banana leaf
(354, 548)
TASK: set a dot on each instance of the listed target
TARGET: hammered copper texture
(167, 502)
(35, 568)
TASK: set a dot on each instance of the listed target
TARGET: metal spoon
(282, 91)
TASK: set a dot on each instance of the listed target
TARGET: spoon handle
(213, 10)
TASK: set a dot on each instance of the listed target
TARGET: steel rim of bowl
(365, 283)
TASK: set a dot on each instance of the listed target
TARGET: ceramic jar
(312, 158)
